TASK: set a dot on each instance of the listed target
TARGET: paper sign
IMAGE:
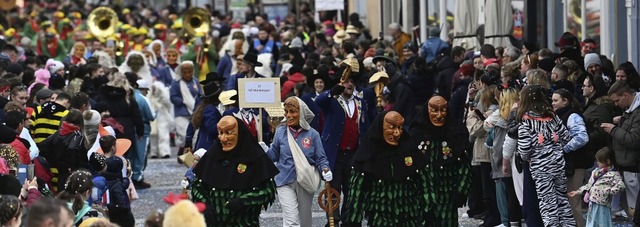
(259, 92)
(324, 5)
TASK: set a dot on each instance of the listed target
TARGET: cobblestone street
(165, 175)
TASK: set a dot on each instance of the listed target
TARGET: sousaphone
(102, 22)
(7, 5)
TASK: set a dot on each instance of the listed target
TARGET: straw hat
(228, 97)
(379, 76)
(339, 36)
(352, 30)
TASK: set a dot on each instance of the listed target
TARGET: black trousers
(475, 194)
(341, 174)
(515, 211)
(489, 195)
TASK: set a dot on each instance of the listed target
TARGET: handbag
(306, 174)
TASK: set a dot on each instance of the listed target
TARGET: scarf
(187, 97)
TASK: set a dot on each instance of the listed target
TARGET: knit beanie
(591, 58)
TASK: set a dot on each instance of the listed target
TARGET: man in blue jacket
(349, 119)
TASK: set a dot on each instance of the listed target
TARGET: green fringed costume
(235, 185)
(386, 184)
(448, 169)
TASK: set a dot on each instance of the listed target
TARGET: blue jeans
(138, 158)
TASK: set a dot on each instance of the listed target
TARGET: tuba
(7, 5)
(102, 22)
(197, 21)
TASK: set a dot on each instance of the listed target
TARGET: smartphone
(479, 114)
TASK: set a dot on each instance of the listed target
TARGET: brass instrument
(352, 65)
(381, 79)
(197, 21)
(198, 24)
(102, 22)
(7, 5)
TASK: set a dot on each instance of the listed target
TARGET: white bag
(306, 174)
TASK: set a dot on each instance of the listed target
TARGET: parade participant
(388, 177)
(249, 116)
(157, 47)
(246, 69)
(319, 81)
(263, 44)
(206, 115)
(64, 29)
(136, 62)
(203, 53)
(341, 138)
(297, 137)
(49, 44)
(541, 137)
(234, 178)
(160, 128)
(183, 93)
(228, 62)
(76, 56)
(443, 141)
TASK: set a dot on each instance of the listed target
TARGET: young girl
(76, 193)
(605, 182)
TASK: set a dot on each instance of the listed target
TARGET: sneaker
(153, 157)
(621, 214)
(141, 184)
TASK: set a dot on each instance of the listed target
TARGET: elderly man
(399, 39)
(625, 132)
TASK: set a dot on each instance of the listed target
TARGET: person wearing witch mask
(234, 178)
(443, 142)
(388, 177)
(296, 136)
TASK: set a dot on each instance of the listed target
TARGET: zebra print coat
(541, 140)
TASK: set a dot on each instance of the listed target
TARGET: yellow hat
(45, 23)
(52, 30)
(160, 27)
(58, 14)
(76, 15)
(126, 11)
(125, 27)
(132, 31)
(1, 28)
(90, 221)
(147, 41)
(88, 36)
(10, 32)
(176, 25)
(228, 97)
(65, 21)
(143, 31)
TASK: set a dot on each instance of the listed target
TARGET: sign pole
(259, 125)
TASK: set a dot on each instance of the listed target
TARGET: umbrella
(465, 24)
(498, 23)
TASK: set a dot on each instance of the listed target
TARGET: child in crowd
(77, 190)
(119, 204)
(605, 182)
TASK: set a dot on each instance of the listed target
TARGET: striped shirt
(46, 120)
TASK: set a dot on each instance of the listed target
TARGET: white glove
(264, 146)
(328, 176)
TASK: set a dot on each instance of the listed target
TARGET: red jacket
(23, 152)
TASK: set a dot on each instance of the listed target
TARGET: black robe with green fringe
(235, 185)
(387, 182)
(448, 169)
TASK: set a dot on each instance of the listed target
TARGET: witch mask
(437, 110)
(228, 133)
(392, 127)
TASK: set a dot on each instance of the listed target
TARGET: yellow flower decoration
(58, 14)
(10, 32)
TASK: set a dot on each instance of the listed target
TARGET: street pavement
(165, 176)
